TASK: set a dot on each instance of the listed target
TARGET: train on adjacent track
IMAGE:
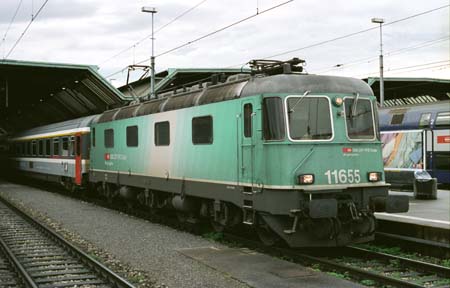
(416, 137)
(296, 157)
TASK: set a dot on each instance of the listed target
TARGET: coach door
(246, 131)
(78, 154)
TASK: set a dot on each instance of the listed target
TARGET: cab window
(273, 119)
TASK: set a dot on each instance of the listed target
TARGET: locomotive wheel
(217, 227)
(186, 218)
(182, 217)
(267, 236)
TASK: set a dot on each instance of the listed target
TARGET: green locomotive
(295, 156)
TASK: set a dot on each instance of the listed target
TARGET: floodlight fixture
(148, 9)
(378, 20)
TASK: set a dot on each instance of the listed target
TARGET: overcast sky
(91, 32)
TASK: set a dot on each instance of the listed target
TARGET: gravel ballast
(143, 245)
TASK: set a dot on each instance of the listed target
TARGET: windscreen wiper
(298, 101)
(355, 102)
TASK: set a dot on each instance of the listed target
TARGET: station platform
(426, 226)
(432, 213)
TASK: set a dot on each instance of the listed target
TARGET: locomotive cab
(320, 158)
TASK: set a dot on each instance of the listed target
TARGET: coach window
(47, 147)
(132, 136)
(397, 119)
(443, 119)
(33, 149)
(41, 147)
(202, 130)
(30, 148)
(65, 146)
(25, 148)
(273, 120)
(109, 138)
(72, 146)
(56, 146)
(162, 133)
(248, 110)
(17, 148)
(442, 161)
(425, 120)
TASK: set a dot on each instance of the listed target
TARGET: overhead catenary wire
(346, 35)
(321, 42)
(221, 29)
(207, 35)
(388, 54)
(156, 31)
(11, 22)
(33, 17)
(434, 68)
(389, 70)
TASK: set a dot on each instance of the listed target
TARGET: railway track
(359, 264)
(43, 259)
(371, 268)
(8, 275)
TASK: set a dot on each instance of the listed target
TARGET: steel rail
(423, 266)
(413, 240)
(358, 273)
(105, 273)
(22, 273)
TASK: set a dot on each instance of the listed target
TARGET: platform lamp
(380, 21)
(151, 10)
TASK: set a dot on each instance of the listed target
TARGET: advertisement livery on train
(416, 137)
(296, 157)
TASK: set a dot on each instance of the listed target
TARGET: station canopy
(175, 78)
(35, 93)
(407, 91)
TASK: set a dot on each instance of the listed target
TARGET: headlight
(306, 179)
(374, 176)
(338, 101)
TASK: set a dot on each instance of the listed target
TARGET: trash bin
(425, 187)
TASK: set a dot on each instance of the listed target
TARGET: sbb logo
(347, 150)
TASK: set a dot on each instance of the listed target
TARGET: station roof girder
(174, 78)
(403, 87)
(38, 93)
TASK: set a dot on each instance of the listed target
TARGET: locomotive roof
(300, 83)
(237, 86)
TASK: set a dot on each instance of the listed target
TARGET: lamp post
(151, 10)
(381, 21)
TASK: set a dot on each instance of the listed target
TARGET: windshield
(359, 125)
(309, 119)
